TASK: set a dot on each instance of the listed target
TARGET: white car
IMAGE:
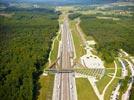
(58, 86)
(71, 86)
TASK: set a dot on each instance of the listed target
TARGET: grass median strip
(80, 51)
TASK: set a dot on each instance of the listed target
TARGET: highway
(64, 83)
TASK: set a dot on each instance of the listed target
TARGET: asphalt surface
(64, 84)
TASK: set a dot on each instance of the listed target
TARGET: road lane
(64, 86)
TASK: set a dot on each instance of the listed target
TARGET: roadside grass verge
(54, 51)
(124, 82)
(46, 84)
(80, 51)
(124, 85)
(108, 92)
(119, 71)
(104, 81)
(114, 83)
(85, 90)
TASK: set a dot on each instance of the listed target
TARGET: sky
(66, 1)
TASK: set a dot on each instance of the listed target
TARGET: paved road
(64, 86)
(80, 33)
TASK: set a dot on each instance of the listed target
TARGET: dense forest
(111, 35)
(25, 43)
(74, 15)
